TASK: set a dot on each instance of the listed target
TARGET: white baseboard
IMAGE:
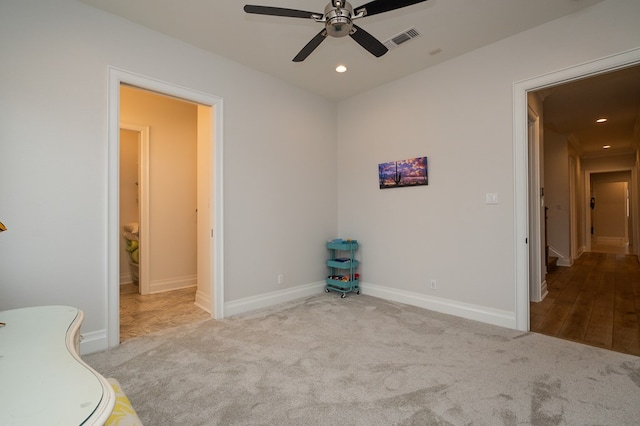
(97, 340)
(248, 304)
(544, 291)
(159, 286)
(564, 262)
(203, 301)
(610, 240)
(446, 306)
(94, 341)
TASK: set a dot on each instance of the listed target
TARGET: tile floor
(140, 315)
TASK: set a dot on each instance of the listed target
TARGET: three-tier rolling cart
(343, 265)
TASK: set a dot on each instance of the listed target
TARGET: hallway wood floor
(140, 315)
(596, 302)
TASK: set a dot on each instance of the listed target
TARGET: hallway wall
(172, 184)
(556, 172)
(129, 184)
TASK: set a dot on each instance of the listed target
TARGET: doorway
(523, 195)
(210, 207)
(609, 220)
(134, 204)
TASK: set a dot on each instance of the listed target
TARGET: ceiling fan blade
(281, 11)
(311, 46)
(368, 41)
(380, 6)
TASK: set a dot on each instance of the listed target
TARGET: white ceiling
(269, 43)
(573, 108)
(454, 27)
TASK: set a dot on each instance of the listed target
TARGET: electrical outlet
(281, 279)
(434, 285)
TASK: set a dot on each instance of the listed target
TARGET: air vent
(401, 38)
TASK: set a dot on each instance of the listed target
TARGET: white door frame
(143, 203)
(521, 162)
(116, 78)
(536, 243)
(573, 213)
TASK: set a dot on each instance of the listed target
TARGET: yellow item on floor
(123, 413)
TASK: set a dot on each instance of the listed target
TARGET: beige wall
(128, 194)
(609, 218)
(172, 184)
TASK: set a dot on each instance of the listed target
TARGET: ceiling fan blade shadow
(380, 6)
(311, 46)
(281, 11)
(369, 42)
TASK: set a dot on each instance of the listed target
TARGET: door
(610, 224)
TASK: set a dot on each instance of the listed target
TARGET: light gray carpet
(365, 361)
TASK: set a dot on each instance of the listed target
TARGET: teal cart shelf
(343, 277)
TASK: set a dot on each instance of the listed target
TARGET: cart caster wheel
(344, 295)
(326, 290)
(358, 292)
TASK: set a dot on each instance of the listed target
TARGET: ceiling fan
(338, 20)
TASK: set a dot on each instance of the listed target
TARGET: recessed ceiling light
(341, 68)
(606, 146)
(601, 120)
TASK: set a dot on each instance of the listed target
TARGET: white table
(43, 380)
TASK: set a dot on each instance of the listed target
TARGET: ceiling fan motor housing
(338, 19)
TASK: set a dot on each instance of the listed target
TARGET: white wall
(280, 177)
(609, 163)
(459, 114)
(282, 198)
(580, 205)
(556, 174)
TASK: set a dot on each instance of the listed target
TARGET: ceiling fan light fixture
(338, 19)
(341, 69)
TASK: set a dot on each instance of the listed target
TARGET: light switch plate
(492, 198)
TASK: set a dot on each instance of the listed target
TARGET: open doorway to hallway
(589, 189)
(593, 302)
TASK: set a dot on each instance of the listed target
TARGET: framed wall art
(397, 174)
